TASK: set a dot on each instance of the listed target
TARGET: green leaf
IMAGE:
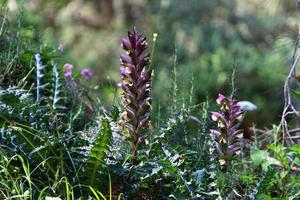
(98, 152)
(275, 148)
(26, 58)
(258, 156)
(282, 157)
(267, 163)
(297, 161)
(115, 113)
(295, 148)
(296, 93)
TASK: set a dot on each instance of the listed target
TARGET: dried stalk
(289, 108)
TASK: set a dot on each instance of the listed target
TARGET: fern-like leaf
(97, 155)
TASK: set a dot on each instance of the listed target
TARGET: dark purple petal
(126, 44)
(219, 117)
(235, 135)
(235, 110)
(130, 113)
(143, 59)
(144, 122)
(125, 71)
(233, 149)
(125, 59)
(220, 99)
(215, 133)
(145, 75)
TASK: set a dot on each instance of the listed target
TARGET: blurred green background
(208, 38)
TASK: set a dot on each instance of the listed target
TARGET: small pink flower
(86, 73)
(61, 47)
(68, 69)
(68, 73)
(68, 66)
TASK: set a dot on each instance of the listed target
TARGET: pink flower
(68, 69)
(61, 47)
(68, 66)
(86, 73)
(68, 73)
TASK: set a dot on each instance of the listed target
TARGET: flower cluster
(228, 138)
(86, 73)
(68, 71)
(68, 68)
(135, 83)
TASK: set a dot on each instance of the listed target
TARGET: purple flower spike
(136, 85)
(228, 138)
(68, 70)
(86, 73)
(61, 47)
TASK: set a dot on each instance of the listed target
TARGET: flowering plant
(135, 83)
(228, 138)
(86, 73)
(68, 68)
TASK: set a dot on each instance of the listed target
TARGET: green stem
(153, 49)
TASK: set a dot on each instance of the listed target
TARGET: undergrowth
(59, 142)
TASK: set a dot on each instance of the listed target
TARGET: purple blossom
(86, 73)
(61, 47)
(68, 70)
(68, 66)
(68, 73)
(135, 83)
(228, 138)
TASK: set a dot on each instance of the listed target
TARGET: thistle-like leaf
(57, 90)
(39, 75)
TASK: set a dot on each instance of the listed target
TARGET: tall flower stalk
(136, 85)
(228, 138)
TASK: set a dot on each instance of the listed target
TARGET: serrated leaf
(98, 152)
